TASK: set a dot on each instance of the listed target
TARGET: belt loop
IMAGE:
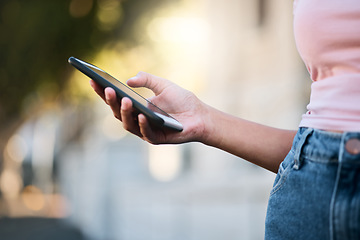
(300, 146)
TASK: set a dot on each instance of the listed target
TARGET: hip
(316, 193)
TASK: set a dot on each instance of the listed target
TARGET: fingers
(112, 101)
(123, 111)
(143, 79)
(145, 129)
(128, 119)
(98, 89)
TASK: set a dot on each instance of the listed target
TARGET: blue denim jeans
(316, 193)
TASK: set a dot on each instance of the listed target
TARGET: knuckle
(146, 76)
(117, 116)
(141, 74)
(126, 127)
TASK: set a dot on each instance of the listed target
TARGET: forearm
(262, 145)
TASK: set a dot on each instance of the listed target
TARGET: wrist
(207, 125)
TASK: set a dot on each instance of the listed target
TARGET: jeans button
(353, 146)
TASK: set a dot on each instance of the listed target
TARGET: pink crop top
(327, 35)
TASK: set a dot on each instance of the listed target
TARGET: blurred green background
(37, 37)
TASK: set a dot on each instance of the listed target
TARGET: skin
(262, 145)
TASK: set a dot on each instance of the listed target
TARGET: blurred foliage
(38, 36)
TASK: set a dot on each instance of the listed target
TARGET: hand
(178, 102)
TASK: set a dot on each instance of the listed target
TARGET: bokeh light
(109, 14)
(33, 198)
(80, 8)
(10, 183)
(17, 148)
(165, 162)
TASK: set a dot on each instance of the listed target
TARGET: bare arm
(262, 145)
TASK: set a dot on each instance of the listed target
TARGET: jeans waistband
(323, 146)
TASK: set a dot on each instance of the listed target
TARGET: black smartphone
(152, 112)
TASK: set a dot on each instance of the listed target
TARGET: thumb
(154, 83)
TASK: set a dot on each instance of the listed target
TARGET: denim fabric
(316, 193)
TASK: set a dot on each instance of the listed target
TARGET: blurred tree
(38, 36)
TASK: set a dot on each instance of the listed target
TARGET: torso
(327, 34)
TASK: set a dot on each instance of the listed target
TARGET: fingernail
(141, 118)
(122, 105)
(131, 79)
(91, 84)
(107, 97)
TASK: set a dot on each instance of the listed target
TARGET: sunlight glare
(178, 30)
